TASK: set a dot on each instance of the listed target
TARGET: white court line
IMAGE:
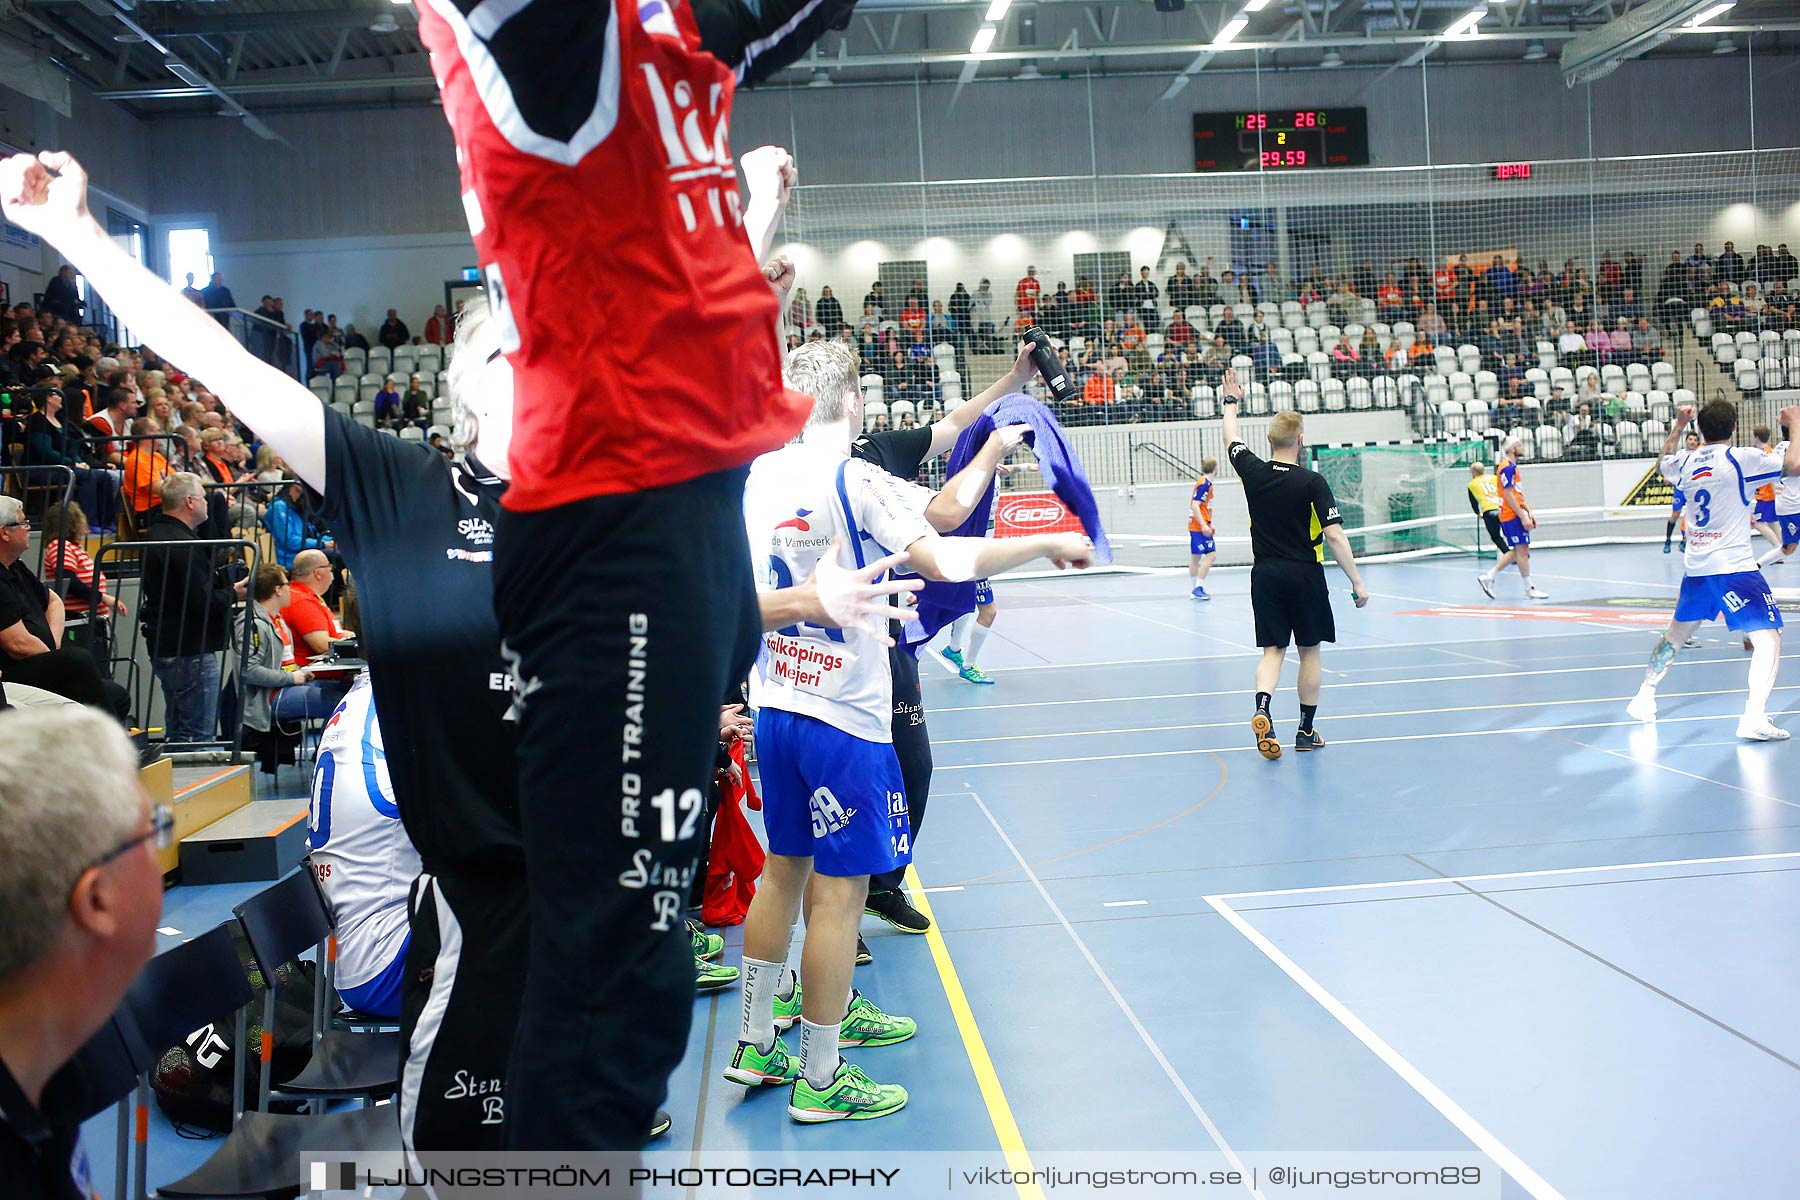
(1409, 712)
(1410, 737)
(1540, 874)
(956, 887)
(1162, 1059)
(1123, 903)
(1355, 683)
(1475, 1131)
(168, 931)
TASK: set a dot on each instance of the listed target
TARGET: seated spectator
(1131, 335)
(186, 613)
(50, 441)
(415, 406)
(113, 422)
(1232, 331)
(1598, 344)
(75, 579)
(1628, 306)
(1206, 288)
(1618, 346)
(1581, 435)
(328, 356)
(1217, 358)
(288, 527)
(145, 468)
(1726, 309)
(82, 893)
(1390, 302)
(368, 864)
(1397, 356)
(1646, 340)
(313, 624)
(939, 327)
(1181, 332)
(273, 696)
(1345, 357)
(354, 340)
(1272, 288)
(1267, 357)
(31, 628)
(1368, 353)
(387, 404)
(1430, 327)
(1100, 390)
(912, 318)
(1754, 304)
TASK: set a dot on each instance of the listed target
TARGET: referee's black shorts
(1491, 519)
(1291, 604)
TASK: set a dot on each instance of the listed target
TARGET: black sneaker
(1308, 739)
(1264, 729)
(892, 906)
(863, 957)
(659, 1125)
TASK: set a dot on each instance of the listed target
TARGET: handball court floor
(1494, 914)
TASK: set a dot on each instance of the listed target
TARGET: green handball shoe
(954, 656)
(752, 1068)
(706, 945)
(710, 977)
(852, 1096)
(974, 674)
(787, 1012)
(867, 1025)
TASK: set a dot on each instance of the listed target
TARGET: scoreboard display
(1287, 139)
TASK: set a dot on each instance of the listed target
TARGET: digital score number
(1281, 140)
(1512, 170)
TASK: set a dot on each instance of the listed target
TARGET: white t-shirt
(1720, 482)
(1787, 488)
(797, 499)
(360, 851)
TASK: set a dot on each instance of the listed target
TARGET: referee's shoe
(1264, 728)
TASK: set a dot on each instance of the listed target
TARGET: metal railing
(274, 343)
(171, 613)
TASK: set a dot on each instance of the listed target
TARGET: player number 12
(692, 805)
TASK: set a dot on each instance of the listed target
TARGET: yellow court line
(993, 1095)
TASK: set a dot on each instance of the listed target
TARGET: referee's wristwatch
(1229, 399)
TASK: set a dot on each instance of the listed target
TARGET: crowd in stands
(156, 457)
(1137, 350)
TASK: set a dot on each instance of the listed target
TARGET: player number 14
(692, 805)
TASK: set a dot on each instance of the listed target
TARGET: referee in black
(1293, 517)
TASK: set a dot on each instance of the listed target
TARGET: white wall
(359, 279)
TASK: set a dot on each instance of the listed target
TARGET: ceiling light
(820, 78)
(1467, 22)
(984, 37)
(997, 10)
(1029, 70)
(1535, 52)
(1256, 6)
(1724, 45)
(128, 38)
(1232, 28)
(1708, 14)
(1332, 59)
(385, 23)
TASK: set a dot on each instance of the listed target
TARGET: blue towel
(941, 603)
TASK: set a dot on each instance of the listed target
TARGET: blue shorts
(380, 997)
(1515, 532)
(1679, 502)
(1765, 511)
(1743, 598)
(1790, 528)
(1200, 543)
(984, 593)
(831, 797)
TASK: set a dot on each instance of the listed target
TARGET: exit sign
(1512, 170)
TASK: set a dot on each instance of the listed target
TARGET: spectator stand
(272, 342)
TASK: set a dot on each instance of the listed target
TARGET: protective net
(1399, 485)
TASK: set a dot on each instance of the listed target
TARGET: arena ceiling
(237, 58)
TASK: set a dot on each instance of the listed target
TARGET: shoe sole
(870, 912)
(705, 987)
(863, 960)
(1266, 745)
(783, 1024)
(1779, 735)
(823, 1116)
(751, 1078)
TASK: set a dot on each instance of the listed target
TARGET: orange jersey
(1766, 493)
(1203, 496)
(1506, 476)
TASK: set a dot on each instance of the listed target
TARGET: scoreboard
(1286, 139)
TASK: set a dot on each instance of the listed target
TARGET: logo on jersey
(798, 521)
(477, 530)
(1703, 473)
(458, 554)
(694, 151)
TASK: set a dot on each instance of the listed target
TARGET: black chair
(282, 922)
(261, 1155)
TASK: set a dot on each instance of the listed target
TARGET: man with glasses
(82, 894)
(31, 628)
(311, 619)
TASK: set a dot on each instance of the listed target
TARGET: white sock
(819, 1055)
(1774, 555)
(789, 981)
(959, 631)
(977, 636)
(759, 984)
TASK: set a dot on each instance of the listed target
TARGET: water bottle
(1050, 367)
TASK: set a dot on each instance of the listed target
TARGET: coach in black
(1293, 517)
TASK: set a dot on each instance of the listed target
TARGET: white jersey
(797, 499)
(1720, 482)
(360, 852)
(1787, 489)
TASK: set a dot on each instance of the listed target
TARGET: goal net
(1402, 489)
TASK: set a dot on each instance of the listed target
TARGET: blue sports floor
(1493, 914)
